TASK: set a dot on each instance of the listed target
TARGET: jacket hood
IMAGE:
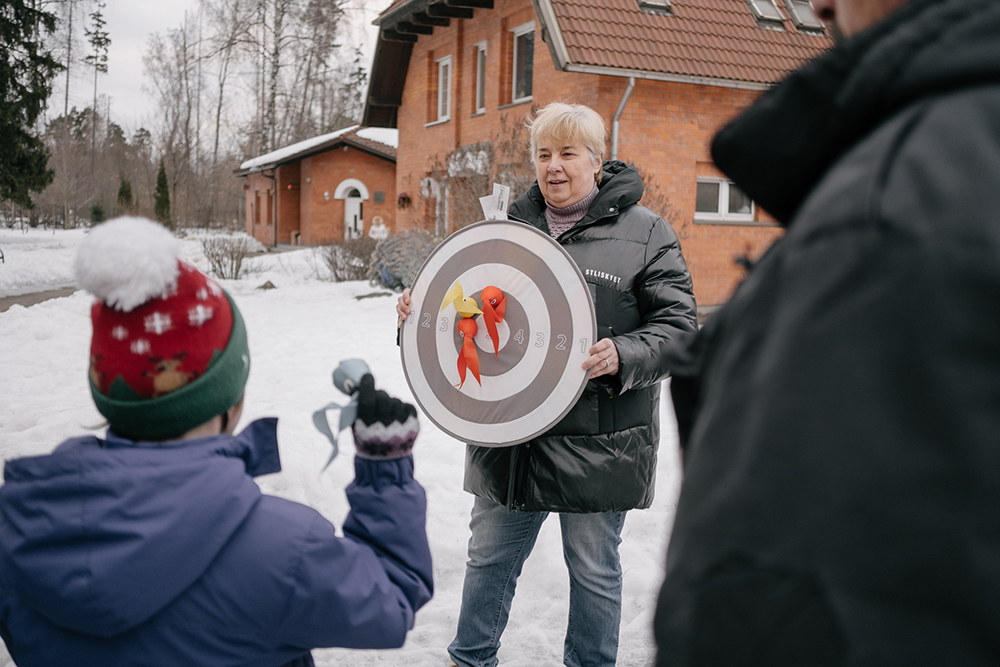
(779, 148)
(100, 535)
(620, 186)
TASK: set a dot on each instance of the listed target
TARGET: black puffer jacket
(840, 416)
(602, 456)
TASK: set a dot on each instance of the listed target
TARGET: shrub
(97, 214)
(349, 260)
(225, 254)
(396, 259)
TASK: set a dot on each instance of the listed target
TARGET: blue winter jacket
(114, 552)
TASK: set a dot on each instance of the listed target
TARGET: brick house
(665, 74)
(322, 190)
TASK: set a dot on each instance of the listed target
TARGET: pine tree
(99, 42)
(26, 72)
(125, 196)
(161, 198)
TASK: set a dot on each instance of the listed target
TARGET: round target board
(534, 377)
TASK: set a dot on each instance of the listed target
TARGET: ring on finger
(607, 364)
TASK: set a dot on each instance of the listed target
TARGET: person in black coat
(840, 415)
(600, 460)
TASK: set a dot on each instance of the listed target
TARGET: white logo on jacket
(602, 275)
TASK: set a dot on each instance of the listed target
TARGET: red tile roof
(717, 39)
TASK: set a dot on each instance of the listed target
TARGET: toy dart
(467, 310)
(494, 306)
(347, 378)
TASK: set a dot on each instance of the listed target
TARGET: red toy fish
(494, 306)
(468, 356)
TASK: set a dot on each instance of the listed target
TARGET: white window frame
(480, 77)
(517, 32)
(656, 6)
(760, 16)
(722, 214)
(444, 89)
(801, 23)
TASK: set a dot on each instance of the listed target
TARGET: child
(153, 545)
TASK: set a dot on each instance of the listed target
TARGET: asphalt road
(36, 297)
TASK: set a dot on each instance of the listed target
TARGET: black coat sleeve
(667, 308)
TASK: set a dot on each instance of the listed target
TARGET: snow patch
(297, 334)
(382, 135)
(282, 153)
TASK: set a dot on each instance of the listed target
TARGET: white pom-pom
(127, 261)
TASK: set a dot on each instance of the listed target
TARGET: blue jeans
(501, 541)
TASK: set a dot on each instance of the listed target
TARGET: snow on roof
(383, 135)
(287, 151)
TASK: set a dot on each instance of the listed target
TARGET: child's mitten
(386, 427)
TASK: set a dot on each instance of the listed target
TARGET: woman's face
(566, 174)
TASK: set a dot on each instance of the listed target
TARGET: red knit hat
(169, 348)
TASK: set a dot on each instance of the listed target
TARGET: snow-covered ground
(298, 333)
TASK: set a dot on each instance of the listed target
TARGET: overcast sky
(129, 25)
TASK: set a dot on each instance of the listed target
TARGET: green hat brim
(164, 417)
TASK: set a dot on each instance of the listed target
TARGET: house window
(767, 14)
(655, 7)
(481, 77)
(524, 55)
(444, 83)
(719, 199)
(803, 15)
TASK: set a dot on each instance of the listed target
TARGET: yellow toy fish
(464, 306)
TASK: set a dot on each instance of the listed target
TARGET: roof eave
(395, 96)
(666, 76)
(550, 25)
(405, 8)
(242, 173)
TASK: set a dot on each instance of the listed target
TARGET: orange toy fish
(494, 306)
(468, 356)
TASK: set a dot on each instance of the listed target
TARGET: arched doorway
(354, 225)
(354, 193)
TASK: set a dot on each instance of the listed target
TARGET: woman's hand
(403, 306)
(603, 359)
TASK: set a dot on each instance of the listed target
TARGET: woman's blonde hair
(569, 124)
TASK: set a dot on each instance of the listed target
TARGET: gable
(376, 141)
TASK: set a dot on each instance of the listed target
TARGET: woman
(600, 460)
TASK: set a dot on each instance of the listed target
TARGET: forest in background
(236, 79)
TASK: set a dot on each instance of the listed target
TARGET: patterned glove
(386, 427)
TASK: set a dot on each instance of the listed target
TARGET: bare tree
(230, 23)
(459, 178)
(276, 72)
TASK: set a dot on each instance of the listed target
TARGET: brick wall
(322, 220)
(665, 130)
(288, 202)
(259, 215)
(303, 208)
